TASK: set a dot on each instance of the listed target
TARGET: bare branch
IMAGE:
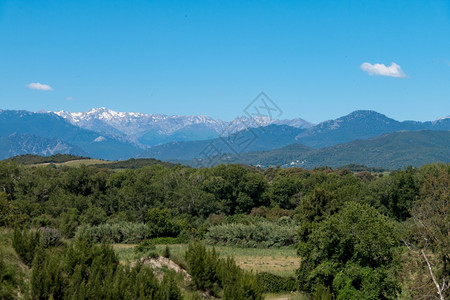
(438, 287)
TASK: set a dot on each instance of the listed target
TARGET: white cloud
(39, 86)
(393, 70)
(69, 98)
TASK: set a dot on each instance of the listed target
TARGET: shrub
(8, 280)
(123, 232)
(145, 249)
(160, 223)
(210, 273)
(261, 234)
(50, 237)
(202, 266)
(168, 240)
(84, 270)
(270, 283)
(169, 287)
(25, 243)
(166, 252)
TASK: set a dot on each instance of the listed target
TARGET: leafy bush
(166, 252)
(168, 240)
(146, 248)
(270, 283)
(8, 280)
(202, 266)
(161, 224)
(122, 232)
(85, 270)
(210, 273)
(354, 253)
(50, 237)
(261, 234)
(25, 243)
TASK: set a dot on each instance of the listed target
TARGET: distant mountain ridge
(389, 151)
(51, 127)
(362, 124)
(184, 138)
(18, 144)
(154, 129)
(252, 139)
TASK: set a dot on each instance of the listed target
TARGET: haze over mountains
(107, 134)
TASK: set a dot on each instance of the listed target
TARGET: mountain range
(111, 135)
(38, 127)
(362, 124)
(390, 151)
(155, 129)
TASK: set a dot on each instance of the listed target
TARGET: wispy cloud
(39, 86)
(69, 98)
(393, 70)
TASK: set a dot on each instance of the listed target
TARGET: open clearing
(78, 162)
(278, 261)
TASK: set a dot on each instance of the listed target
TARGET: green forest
(357, 234)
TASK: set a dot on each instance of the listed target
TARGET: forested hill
(390, 151)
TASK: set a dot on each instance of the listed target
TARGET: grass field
(279, 261)
(290, 296)
(79, 162)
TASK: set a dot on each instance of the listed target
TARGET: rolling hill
(254, 139)
(362, 124)
(390, 151)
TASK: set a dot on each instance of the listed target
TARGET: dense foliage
(271, 283)
(365, 235)
(84, 270)
(209, 272)
(354, 252)
(262, 234)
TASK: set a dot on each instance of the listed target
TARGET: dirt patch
(161, 263)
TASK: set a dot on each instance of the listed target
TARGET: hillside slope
(51, 126)
(361, 124)
(390, 151)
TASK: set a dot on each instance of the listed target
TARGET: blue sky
(214, 57)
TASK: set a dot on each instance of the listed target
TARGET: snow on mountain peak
(104, 120)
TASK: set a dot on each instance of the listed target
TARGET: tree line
(358, 234)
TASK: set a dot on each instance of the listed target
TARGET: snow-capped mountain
(131, 123)
(153, 129)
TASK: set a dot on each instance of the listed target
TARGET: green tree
(429, 233)
(161, 224)
(354, 253)
(202, 266)
(25, 243)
